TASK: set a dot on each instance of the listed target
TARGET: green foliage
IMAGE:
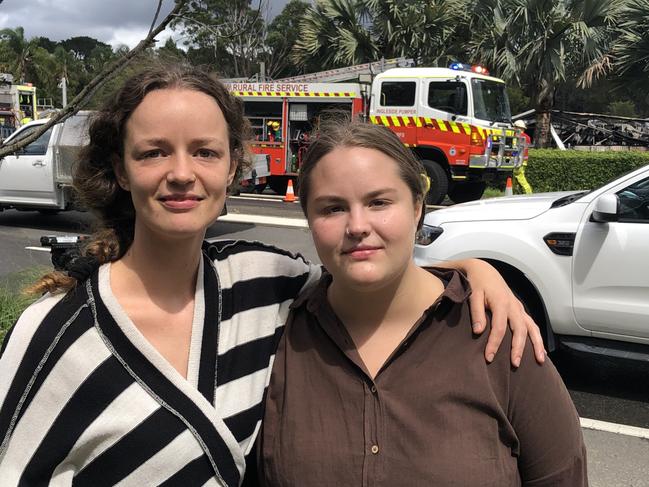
(343, 32)
(336, 33)
(545, 48)
(631, 48)
(231, 31)
(541, 43)
(491, 192)
(518, 102)
(622, 109)
(12, 300)
(282, 34)
(555, 170)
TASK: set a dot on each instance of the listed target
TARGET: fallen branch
(106, 74)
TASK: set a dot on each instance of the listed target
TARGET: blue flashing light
(459, 66)
(467, 67)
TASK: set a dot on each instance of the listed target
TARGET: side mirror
(607, 209)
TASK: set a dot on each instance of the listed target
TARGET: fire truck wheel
(438, 182)
(278, 185)
(463, 192)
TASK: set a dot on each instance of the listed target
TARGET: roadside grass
(490, 192)
(12, 298)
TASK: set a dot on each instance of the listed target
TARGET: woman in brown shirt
(378, 379)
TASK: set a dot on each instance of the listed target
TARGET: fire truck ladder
(349, 72)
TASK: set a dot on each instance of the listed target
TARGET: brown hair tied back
(94, 179)
(351, 133)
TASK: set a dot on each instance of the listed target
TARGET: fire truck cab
(284, 114)
(17, 105)
(457, 121)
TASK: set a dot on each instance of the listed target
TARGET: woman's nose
(181, 170)
(358, 224)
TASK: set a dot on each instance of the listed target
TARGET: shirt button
(375, 449)
(373, 389)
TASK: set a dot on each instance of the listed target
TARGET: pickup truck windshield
(490, 100)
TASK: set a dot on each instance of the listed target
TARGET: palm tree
(537, 42)
(422, 29)
(630, 52)
(344, 32)
(19, 50)
(336, 33)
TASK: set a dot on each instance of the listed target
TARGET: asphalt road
(609, 390)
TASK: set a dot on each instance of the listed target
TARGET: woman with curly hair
(147, 363)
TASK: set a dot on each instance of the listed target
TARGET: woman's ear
(419, 213)
(120, 174)
(233, 170)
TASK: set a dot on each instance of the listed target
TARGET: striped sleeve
(259, 283)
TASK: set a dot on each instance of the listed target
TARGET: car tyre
(439, 182)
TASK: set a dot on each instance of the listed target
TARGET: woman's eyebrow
(379, 192)
(326, 198)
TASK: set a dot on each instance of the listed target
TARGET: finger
(519, 336)
(536, 338)
(496, 334)
(478, 316)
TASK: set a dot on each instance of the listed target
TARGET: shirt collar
(456, 289)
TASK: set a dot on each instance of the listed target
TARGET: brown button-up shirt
(436, 414)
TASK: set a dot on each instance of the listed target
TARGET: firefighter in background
(274, 131)
(27, 116)
(519, 172)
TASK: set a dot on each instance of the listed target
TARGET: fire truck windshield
(490, 100)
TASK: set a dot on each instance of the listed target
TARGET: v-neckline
(199, 325)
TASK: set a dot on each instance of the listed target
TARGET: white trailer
(39, 176)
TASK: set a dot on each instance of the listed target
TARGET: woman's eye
(332, 209)
(379, 203)
(151, 154)
(206, 153)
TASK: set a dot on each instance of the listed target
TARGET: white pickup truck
(39, 176)
(578, 260)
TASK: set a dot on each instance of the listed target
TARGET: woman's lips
(361, 253)
(180, 202)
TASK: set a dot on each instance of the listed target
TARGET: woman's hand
(490, 291)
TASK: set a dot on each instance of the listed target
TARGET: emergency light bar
(476, 68)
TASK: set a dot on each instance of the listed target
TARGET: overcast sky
(114, 22)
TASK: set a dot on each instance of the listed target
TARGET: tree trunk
(544, 103)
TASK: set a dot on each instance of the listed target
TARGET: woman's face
(362, 217)
(176, 163)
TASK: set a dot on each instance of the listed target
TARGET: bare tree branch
(155, 17)
(106, 74)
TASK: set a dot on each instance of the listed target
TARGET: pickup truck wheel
(438, 182)
(463, 192)
(529, 296)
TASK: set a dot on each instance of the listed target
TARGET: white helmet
(520, 124)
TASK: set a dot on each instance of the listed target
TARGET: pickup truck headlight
(428, 234)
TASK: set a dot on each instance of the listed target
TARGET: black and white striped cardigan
(86, 399)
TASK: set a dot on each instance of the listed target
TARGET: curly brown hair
(94, 179)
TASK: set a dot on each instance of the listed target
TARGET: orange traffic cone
(508, 187)
(290, 195)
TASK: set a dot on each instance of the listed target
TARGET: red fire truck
(283, 115)
(456, 120)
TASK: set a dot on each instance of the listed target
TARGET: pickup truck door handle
(38, 163)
